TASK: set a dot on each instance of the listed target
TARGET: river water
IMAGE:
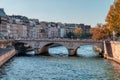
(88, 66)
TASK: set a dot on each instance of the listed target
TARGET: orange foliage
(78, 30)
(98, 33)
(113, 17)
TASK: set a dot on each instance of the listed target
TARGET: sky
(89, 12)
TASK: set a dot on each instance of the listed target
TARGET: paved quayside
(6, 54)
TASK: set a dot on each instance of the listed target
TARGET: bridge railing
(61, 40)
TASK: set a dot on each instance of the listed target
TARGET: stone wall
(6, 56)
(112, 50)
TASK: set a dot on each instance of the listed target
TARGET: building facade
(4, 25)
(17, 26)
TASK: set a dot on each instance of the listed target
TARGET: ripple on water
(60, 68)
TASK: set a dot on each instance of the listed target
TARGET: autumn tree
(113, 18)
(78, 32)
(107, 30)
(98, 32)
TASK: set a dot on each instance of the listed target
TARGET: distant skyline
(89, 12)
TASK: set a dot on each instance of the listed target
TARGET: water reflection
(116, 70)
(86, 51)
(60, 68)
(2, 72)
(60, 51)
(5, 67)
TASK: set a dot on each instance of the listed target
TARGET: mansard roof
(2, 13)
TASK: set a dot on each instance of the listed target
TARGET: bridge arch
(87, 51)
(21, 47)
(45, 49)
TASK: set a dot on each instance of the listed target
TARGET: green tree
(85, 36)
(70, 35)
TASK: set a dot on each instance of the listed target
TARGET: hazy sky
(89, 12)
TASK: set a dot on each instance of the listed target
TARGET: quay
(112, 51)
(6, 52)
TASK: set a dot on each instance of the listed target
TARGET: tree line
(111, 29)
(79, 34)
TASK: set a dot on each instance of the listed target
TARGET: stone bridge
(72, 45)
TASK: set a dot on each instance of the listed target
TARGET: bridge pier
(72, 52)
(43, 51)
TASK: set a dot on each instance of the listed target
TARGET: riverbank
(112, 51)
(113, 59)
(6, 54)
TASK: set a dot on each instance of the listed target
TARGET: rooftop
(2, 13)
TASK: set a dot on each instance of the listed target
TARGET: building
(38, 30)
(70, 27)
(56, 30)
(21, 21)
(34, 22)
(4, 25)
(43, 30)
(19, 26)
(85, 28)
(61, 30)
(18, 31)
(52, 30)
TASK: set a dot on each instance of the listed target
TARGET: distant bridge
(43, 45)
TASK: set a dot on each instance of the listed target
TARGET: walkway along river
(89, 66)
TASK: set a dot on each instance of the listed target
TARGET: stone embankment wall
(112, 51)
(5, 55)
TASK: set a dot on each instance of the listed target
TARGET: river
(88, 66)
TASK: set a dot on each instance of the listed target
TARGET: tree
(98, 32)
(113, 17)
(70, 35)
(108, 31)
(85, 36)
(78, 32)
